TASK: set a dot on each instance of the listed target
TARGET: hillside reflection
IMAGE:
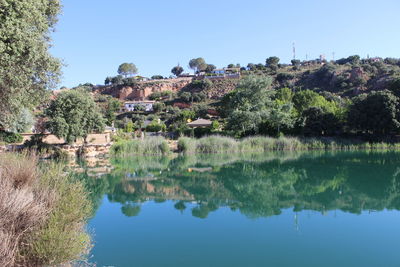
(257, 185)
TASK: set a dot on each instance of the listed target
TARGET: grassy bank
(43, 213)
(146, 146)
(222, 144)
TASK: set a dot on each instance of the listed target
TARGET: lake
(277, 209)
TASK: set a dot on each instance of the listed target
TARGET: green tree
(295, 62)
(198, 64)
(129, 127)
(210, 68)
(26, 67)
(158, 107)
(186, 97)
(272, 61)
(305, 99)
(376, 113)
(74, 114)
(127, 69)
(177, 70)
(317, 122)
(112, 107)
(281, 116)
(23, 122)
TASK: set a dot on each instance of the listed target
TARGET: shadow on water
(258, 185)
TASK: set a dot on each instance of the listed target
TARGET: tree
(210, 68)
(157, 77)
(186, 97)
(127, 69)
(158, 107)
(248, 105)
(74, 114)
(26, 67)
(272, 61)
(112, 106)
(296, 62)
(23, 122)
(317, 122)
(281, 116)
(376, 113)
(197, 64)
(305, 99)
(177, 70)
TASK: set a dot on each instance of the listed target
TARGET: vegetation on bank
(223, 144)
(43, 214)
(146, 146)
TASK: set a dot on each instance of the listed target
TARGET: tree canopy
(74, 114)
(127, 69)
(26, 67)
(198, 64)
(177, 70)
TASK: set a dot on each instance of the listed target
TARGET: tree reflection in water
(258, 185)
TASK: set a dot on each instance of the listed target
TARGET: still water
(287, 209)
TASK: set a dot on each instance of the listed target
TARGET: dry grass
(32, 214)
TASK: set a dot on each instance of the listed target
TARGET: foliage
(197, 64)
(272, 61)
(305, 99)
(317, 122)
(210, 68)
(376, 113)
(26, 67)
(74, 114)
(158, 107)
(127, 69)
(177, 70)
(157, 77)
(44, 212)
(147, 146)
(155, 126)
(23, 122)
(10, 137)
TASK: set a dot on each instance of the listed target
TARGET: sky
(93, 37)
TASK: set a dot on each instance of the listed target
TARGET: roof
(140, 102)
(200, 122)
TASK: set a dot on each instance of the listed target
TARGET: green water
(302, 209)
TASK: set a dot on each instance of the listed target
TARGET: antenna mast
(294, 50)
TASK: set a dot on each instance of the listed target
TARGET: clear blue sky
(94, 36)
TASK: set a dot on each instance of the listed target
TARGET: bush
(155, 127)
(43, 214)
(10, 138)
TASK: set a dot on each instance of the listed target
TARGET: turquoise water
(313, 209)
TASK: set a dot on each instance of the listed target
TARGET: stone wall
(87, 151)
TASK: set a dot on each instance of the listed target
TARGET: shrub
(43, 212)
(10, 138)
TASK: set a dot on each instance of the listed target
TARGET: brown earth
(142, 90)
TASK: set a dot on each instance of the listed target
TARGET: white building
(139, 105)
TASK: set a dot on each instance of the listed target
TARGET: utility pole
(333, 56)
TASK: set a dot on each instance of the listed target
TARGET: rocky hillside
(141, 90)
(344, 77)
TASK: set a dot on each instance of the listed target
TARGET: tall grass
(43, 213)
(221, 144)
(147, 146)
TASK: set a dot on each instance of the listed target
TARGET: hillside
(345, 77)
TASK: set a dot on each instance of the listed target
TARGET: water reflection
(258, 185)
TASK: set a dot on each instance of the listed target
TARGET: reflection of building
(138, 105)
